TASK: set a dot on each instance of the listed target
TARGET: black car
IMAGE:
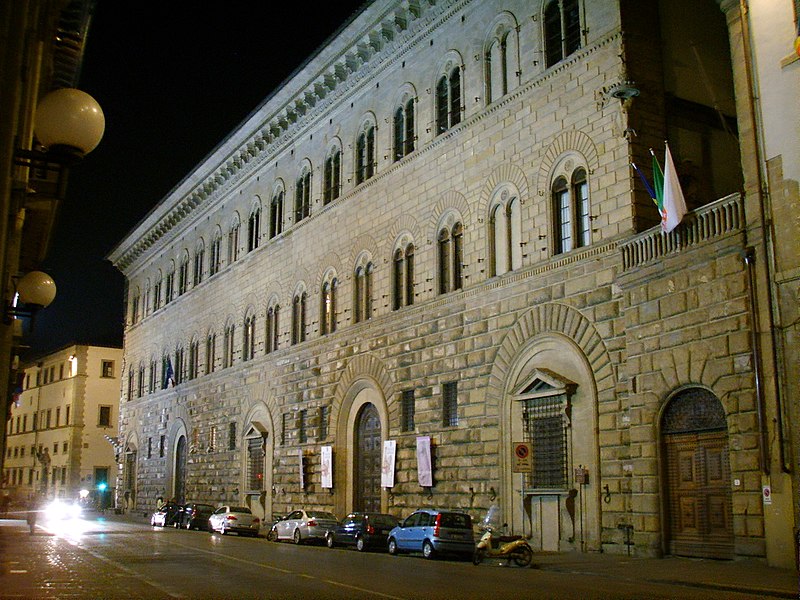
(363, 530)
(194, 516)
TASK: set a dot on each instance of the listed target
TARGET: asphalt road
(113, 558)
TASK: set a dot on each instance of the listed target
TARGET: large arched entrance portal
(697, 475)
(368, 460)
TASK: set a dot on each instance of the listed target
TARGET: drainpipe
(768, 244)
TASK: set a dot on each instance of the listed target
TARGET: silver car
(303, 525)
(237, 519)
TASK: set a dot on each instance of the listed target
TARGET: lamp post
(67, 124)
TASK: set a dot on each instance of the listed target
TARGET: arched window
(215, 256)
(183, 274)
(199, 258)
(571, 212)
(362, 302)
(180, 365)
(249, 337)
(211, 351)
(254, 227)
(135, 306)
(140, 382)
(450, 258)
(169, 284)
(365, 153)
(327, 317)
(299, 318)
(505, 234)
(146, 306)
(272, 328)
(502, 56)
(233, 240)
(302, 198)
(152, 376)
(448, 100)
(227, 349)
(276, 214)
(333, 175)
(404, 129)
(562, 30)
(157, 291)
(403, 276)
(194, 359)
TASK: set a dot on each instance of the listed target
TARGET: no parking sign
(522, 457)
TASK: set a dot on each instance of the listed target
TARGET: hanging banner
(387, 463)
(327, 466)
(302, 474)
(424, 470)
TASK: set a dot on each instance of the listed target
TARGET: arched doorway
(699, 518)
(180, 470)
(368, 460)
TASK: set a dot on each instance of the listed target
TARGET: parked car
(305, 525)
(433, 531)
(194, 516)
(166, 515)
(364, 530)
(238, 519)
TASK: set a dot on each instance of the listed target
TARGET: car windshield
(204, 508)
(240, 509)
(456, 520)
(382, 520)
(312, 514)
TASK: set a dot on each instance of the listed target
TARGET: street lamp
(69, 124)
(35, 290)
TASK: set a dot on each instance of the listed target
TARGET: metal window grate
(546, 428)
(255, 464)
(408, 408)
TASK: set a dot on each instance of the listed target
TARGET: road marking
(132, 573)
(218, 555)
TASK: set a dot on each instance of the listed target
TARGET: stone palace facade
(430, 242)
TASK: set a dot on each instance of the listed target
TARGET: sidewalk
(744, 575)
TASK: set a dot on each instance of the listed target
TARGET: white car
(237, 519)
(302, 525)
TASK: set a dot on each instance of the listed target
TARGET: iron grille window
(324, 412)
(232, 436)
(546, 428)
(450, 404)
(301, 426)
(284, 428)
(407, 408)
(162, 446)
(255, 464)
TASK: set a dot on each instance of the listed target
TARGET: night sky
(173, 81)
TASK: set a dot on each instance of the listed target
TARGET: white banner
(387, 463)
(424, 471)
(327, 466)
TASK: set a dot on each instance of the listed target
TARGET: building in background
(40, 59)
(62, 434)
(427, 259)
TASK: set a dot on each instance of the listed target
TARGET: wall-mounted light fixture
(35, 290)
(69, 124)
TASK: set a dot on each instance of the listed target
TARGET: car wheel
(330, 541)
(427, 549)
(360, 544)
(523, 556)
(392, 547)
(297, 539)
(272, 536)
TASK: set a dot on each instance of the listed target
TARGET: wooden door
(368, 460)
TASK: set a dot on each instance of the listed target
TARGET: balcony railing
(715, 220)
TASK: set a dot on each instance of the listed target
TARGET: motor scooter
(510, 547)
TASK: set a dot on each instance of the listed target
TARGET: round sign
(522, 451)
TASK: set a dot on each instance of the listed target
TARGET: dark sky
(173, 79)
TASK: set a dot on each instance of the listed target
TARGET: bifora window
(545, 401)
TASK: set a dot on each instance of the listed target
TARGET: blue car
(432, 532)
